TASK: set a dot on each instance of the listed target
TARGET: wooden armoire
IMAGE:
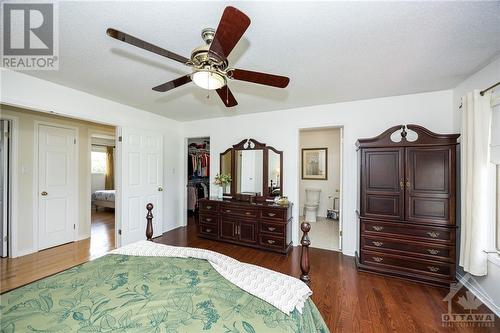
(407, 204)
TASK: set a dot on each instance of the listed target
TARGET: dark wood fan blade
(260, 78)
(232, 26)
(145, 45)
(173, 84)
(227, 96)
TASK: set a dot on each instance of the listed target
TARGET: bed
(147, 291)
(103, 198)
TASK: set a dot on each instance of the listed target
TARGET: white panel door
(141, 179)
(56, 185)
(4, 188)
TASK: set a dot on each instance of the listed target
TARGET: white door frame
(299, 167)
(185, 175)
(100, 133)
(76, 197)
(13, 202)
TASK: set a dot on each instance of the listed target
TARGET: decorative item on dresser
(248, 214)
(407, 205)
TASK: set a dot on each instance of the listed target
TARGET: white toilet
(312, 204)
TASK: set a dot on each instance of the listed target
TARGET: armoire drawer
(238, 211)
(439, 252)
(406, 230)
(407, 264)
(208, 230)
(208, 219)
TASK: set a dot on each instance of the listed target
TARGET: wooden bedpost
(149, 227)
(304, 255)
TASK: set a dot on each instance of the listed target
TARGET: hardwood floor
(349, 301)
(19, 271)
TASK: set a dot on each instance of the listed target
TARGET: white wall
(486, 286)
(329, 138)
(25, 91)
(360, 119)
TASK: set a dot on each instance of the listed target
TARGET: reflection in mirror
(249, 171)
(274, 174)
(225, 168)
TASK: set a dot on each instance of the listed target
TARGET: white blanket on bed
(282, 291)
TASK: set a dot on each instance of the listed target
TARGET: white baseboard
(23, 253)
(483, 297)
(82, 237)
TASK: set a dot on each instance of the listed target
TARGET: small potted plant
(222, 180)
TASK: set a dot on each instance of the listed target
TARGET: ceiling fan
(209, 62)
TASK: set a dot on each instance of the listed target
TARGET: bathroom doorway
(320, 185)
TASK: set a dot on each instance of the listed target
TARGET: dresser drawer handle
(271, 228)
(208, 230)
(248, 213)
(433, 251)
(228, 210)
(270, 241)
(271, 214)
(377, 228)
(433, 234)
(433, 269)
(209, 207)
(379, 244)
(208, 219)
(377, 259)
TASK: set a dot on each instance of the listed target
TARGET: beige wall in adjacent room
(330, 188)
(26, 172)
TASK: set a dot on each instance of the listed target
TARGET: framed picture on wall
(315, 163)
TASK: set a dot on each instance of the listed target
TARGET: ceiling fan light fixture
(208, 80)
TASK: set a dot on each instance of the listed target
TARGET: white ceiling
(332, 51)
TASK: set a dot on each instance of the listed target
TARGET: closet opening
(198, 175)
(103, 191)
(320, 185)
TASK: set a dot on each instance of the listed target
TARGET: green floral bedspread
(118, 293)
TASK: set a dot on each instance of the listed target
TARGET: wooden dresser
(261, 225)
(407, 205)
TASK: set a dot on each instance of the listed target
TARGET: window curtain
(475, 182)
(109, 182)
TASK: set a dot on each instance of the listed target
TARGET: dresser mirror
(255, 168)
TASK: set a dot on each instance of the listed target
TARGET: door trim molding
(76, 214)
(13, 200)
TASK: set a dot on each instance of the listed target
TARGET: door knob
(44, 193)
(160, 189)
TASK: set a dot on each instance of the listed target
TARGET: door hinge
(6, 239)
(340, 233)
(120, 138)
(74, 226)
(119, 231)
(74, 141)
(7, 134)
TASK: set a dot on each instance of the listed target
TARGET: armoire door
(430, 187)
(382, 187)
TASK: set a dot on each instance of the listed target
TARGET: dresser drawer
(208, 230)
(208, 219)
(272, 241)
(208, 206)
(272, 228)
(407, 264)
(430, 251)
(409, 231)
(238, 211)
(273, 214)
